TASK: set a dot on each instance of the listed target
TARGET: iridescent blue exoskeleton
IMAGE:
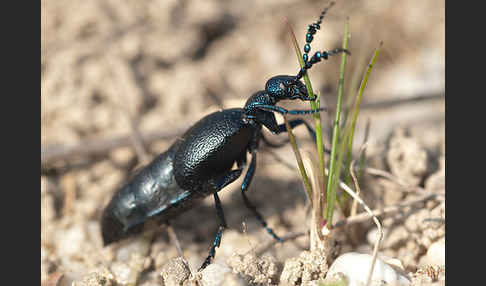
(199, 163)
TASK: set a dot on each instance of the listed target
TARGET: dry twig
(364, 216)
(405, 187)
(375, 219)
(94, 147)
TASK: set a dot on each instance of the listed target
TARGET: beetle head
(286, 87)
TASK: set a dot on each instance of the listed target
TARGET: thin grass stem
(331, 182)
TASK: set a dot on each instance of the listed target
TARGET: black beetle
(199, 163)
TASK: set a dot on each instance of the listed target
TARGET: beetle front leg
(283, 111)
(270, 122)
(277, 129)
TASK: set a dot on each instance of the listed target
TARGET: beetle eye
(295, 90)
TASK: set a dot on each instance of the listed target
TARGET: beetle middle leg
(244, 187)
(220, 183)
(219, 234)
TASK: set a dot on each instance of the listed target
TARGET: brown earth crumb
(429, 275)
(302, 270)
(102, 277)
(175, 272)
(406, 158)
(261, 270)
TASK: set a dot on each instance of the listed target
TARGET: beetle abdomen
(150, 193)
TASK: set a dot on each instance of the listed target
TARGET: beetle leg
(268, 120)
(220, 184)
(282, 128)
(217, 239)
(284, 111)
(249, 205)
(294, 123)
(228, 179)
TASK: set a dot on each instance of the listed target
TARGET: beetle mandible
(199, 163)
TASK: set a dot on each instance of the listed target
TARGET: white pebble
(435, 254)
(71, 241)
(139, 246)
(214, 275)
(355, 267)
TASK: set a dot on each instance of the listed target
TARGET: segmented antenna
(311, 30)
(318, 55)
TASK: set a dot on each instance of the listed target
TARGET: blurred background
(112, 69)
(168, 62)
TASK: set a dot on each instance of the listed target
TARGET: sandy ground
(159, 66)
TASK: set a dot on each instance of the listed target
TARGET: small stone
(215, 275)
(127, 274)
(337, 279)
(309, 267)
(139, 246)
(407, 158)
(102, 277)
(292, 272)
(71, 241)
(175, 272)
(435, 254)
(255, 269)
(355, 267)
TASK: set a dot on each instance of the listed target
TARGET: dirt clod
(102, 277)
(175, 272)
(303, 270)
(429, 276)
(406, 158)
(260, 270)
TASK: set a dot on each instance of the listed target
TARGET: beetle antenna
(318, 55)
(312, 29)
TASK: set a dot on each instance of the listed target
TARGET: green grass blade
(314, 105)
(332, 179)
(350, 90)
(298, 157)
(362, 159)
(356, 112)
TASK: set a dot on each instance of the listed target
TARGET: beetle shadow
(272, 197)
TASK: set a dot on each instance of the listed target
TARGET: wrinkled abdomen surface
(151, 194)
